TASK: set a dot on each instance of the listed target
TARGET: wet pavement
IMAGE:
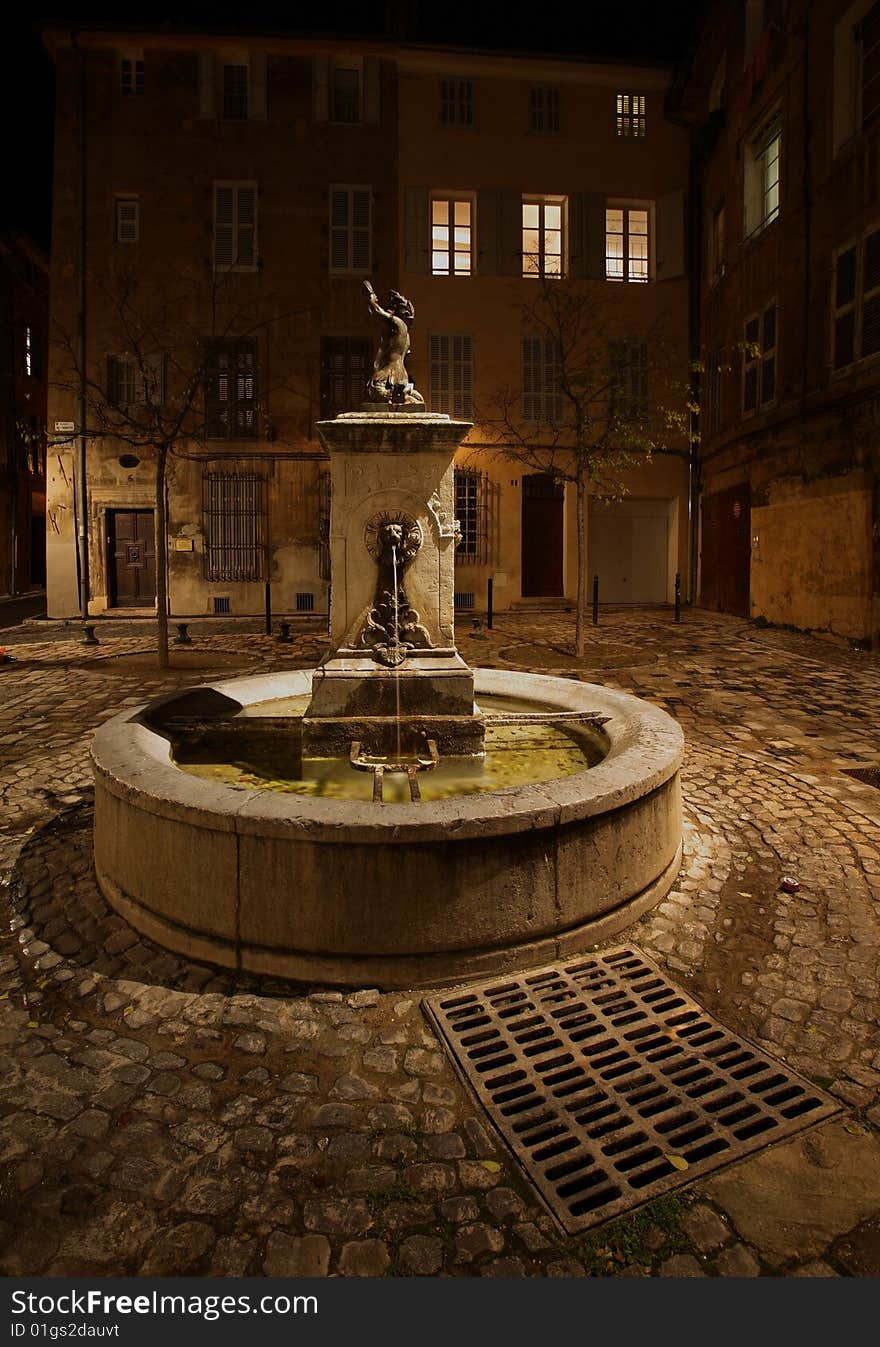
(161, 1117)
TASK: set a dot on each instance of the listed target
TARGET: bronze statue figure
(391, 382)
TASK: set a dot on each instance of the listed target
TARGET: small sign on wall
(184, 545)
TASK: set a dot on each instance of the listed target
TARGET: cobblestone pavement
(159, 1117)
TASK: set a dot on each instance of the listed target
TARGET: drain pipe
(81, 489)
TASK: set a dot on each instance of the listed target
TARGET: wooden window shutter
(371, 89)
(487, 233)
(128, 220)
(224, 226)
(247, 226)
(670, 236)
(416, 230)
(339, 227)
(258, 85)
(510, 232)
(206, 83)
(361, 228)
(586, 217)
(321, 88)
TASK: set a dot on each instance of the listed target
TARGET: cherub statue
(390, 381)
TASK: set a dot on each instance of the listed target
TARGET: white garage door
(629, 550)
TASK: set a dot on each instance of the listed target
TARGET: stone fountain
(363, 891)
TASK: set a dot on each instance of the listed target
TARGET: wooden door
(131, 542)
(725, 555)
(543, 502)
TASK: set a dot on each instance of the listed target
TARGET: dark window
(235, 526)
(869, 34)
(231, 390)
(132, 383)
(346, 95)
(629, 380)
(871, 295)
(845, 307)
(471, 511)
(452, 374)
(543, 108)
(751, 355)
(456, 102)
(131, 76)
(346, 363)
(235, 93)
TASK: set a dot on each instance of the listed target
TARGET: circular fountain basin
(388, 895)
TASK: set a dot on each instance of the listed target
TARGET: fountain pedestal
(392, 660)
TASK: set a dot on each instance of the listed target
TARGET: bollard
(595, 600)
(678, 596)
(284, 634)
(490, 590)
(268, 608)
(183, 637)
(89, 637)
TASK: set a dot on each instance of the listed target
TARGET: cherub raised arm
(391, 381)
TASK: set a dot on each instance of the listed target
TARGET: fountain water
(493, 872)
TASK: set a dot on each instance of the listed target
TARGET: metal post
(183, 637)
(89, 637)
(284, 635)
(678, 596)
(595, 600)
(268, 608)
(489, 597)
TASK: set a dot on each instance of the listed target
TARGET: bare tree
(582, 415)
(154, 393)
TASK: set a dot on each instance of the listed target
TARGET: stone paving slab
(160, 1117)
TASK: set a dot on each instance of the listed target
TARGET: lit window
(761, 179)
(543, 108)
(452, 374)
(350, 228)
(235, 226)
(451, 238)
(131, 76)
(759, 361)
(541, 380)
(626, 243)
(631, 118)
(128, 219)
(456, 102)
(543, 236)
(235, 93)
(28, 352)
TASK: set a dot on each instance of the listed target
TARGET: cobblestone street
(160, 1117)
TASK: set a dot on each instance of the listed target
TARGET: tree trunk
(580, 631)
(161, 558)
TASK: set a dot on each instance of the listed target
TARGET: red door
(131, 541)
(726, 551)
(543, 501)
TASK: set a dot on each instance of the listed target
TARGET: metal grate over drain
(870, 775)
(611, 1085)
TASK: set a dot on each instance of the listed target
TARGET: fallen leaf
(678, 1161)
(855, 1129)
(128, 1008)
(33, 1024)
(743, 894)
(492, 1166)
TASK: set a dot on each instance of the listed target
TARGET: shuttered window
(543, 108)
(235, 226)
(452, 374)
(235, 92)
(629, 380)
(631, 120)
(131, 76)
(346, 365)
(456, 102)
(351, 228)
(128, 219)
(133, 383)
(541, 372)
(231, 389)
(235, 526)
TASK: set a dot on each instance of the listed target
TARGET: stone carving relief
(392, 628)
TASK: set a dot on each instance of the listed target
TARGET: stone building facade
(263, 181)
(24, 282)
(784, 100)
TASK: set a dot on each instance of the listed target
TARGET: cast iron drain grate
(870, 775)
(612, 1086)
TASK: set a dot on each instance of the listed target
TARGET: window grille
(128, 219)
(305, 603)
(231, 390)
(472, 512)
(235, 526)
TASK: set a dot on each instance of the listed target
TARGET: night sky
(640, 31)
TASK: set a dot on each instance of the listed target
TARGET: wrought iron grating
(221, 604)
(612, 1086)
(305, 603)
(870, 775)
(464, 598)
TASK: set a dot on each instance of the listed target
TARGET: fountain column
(392, 560)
